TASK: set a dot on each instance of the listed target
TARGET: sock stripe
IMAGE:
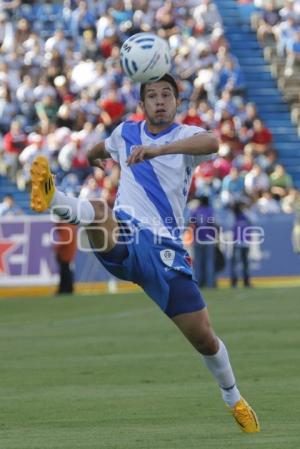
(228, 388)
(65, 215)
(75, 221)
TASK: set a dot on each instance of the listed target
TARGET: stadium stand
(262, 88)
(62, 89)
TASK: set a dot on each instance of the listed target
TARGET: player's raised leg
(197, 329)
(102, 226)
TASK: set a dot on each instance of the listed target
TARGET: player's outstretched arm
(202, 143)
(97, 154)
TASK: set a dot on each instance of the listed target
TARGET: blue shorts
(162, 268)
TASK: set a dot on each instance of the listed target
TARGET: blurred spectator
(222, 164)
(120, 13)
(232, 187)
(244, 162)
(207, 17)
(46, 110)
(261, 138)
(9, 76)
(249, 115)
(65, 116)
(72, 157)
(280, 181)
(9, 6)
(191, 116)
(8, 207)
(228, 136)
(240, 249)
(13, 143)
(293, 54)
(267, 161)
(225, 103)
(86, 109)
(288, 10)
(57, 42)
(256, 181)
(44, 89)
(82, 19)
(284, 33)
(26, 101)
(6, 33)
(22, 32)
(8, 109)
(266, 204)
(296, 228)
(204, 181)
(89, 46)
(291, 202)
(203, 223)
(269, 17)
(231, 78)
(65, 249)
(63, 93)
(112, 110)
(90, 189)
(70, 183)
(165, 19)
(129, 95)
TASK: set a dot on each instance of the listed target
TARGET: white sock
(74, 210)
(220, 367)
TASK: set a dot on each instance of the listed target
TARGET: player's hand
(97, 155)
(141, 153)
(97, 163)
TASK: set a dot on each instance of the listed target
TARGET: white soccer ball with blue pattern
(145, 57)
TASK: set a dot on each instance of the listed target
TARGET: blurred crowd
(279, 20)
(62, 90)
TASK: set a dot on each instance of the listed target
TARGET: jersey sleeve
(194, 161)
(113, 143)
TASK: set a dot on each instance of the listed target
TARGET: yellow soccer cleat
(42, 185)
(245, 416)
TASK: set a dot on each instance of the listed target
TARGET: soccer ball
(145, 57)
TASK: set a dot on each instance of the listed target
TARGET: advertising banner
(27, 256)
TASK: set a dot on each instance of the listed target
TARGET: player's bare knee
(206, 344)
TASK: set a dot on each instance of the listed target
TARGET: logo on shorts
(167, 256)
(188, 260)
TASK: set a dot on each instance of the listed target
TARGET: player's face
(159, 104)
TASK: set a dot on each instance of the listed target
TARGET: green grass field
(112, 372)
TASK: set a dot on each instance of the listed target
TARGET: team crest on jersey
(188, 260)
(167, 256)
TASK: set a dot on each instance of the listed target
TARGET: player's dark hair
(168, 78)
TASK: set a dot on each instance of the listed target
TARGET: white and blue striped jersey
(154, 192)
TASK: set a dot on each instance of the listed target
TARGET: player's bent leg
(103, 227)
(104, 232)
(196, 327)
(187, 308)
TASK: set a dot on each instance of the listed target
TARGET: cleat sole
(42, 185)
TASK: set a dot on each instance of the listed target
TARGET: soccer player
(140, 240)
